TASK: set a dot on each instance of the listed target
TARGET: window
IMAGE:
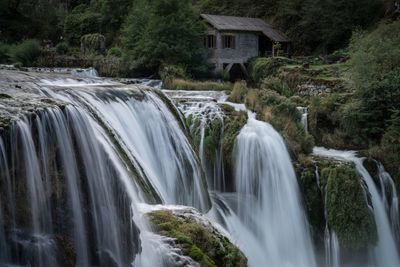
(210, 41)
(228, 41)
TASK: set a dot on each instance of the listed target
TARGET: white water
(268, 197)
(264, 215)
(386, 253)
(332, 249)
(85, 73)
(304, 117)
(155, 139)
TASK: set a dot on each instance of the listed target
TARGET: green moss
(283, 115)
(233, 123)
(328, 121)
(347, 209)
(313, 201)
(203, 244)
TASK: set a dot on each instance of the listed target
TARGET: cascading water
(205, 113)
(264, 214)
(385, 252)
(390, 199)
(150, 134)
(72, 202)
(304, 117)
(268, 196)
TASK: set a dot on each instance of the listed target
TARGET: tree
(164, 32)
(375, 69)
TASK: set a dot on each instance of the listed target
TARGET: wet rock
(195, 236)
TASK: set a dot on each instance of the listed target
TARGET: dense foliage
(159, 32)
(376, 75)
(162, 32)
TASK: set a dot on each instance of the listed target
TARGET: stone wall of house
(246, 47)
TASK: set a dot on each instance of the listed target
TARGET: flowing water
(304, 117)
(385, 253)
(76, 179)
(264, 213)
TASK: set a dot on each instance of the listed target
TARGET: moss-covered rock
(284, 116)
(233, 123)
(196, 238)
(347, 208)
(314, 204)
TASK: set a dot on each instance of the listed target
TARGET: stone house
(232, 41)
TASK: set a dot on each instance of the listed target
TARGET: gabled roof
(229, 23)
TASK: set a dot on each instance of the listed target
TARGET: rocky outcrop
(195, 236)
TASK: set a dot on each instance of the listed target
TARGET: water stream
(386, 253)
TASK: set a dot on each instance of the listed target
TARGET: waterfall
(264, 214)
(76, 189)
(268, 196)
(85, 73)
(386, 253)
(152, 135)
(332, 249)
(200, 107)
(304, 117)
(149, 133)
(390, 199)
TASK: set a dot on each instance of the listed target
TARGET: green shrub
(164, 32)
(263, 67)
(277, 85)
(283, 115)
(238, 93)
(4, 52)
(375, 69)
(62, 48)
(27, 52)
(93, 42)
(81, 21)
(168, 73)
(114, 52)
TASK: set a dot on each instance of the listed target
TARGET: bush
(164, 32)
(375, 69)
(114, 52)
(283, 115)
(4, 53)
(81, 21)
(168, 73)
(277, 85)
(93, 42)
(238, 93)
(62, 48)
(27, 52)
(261, 68)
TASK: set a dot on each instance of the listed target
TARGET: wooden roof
(230, 23)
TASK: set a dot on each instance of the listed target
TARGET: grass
(181, 84)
